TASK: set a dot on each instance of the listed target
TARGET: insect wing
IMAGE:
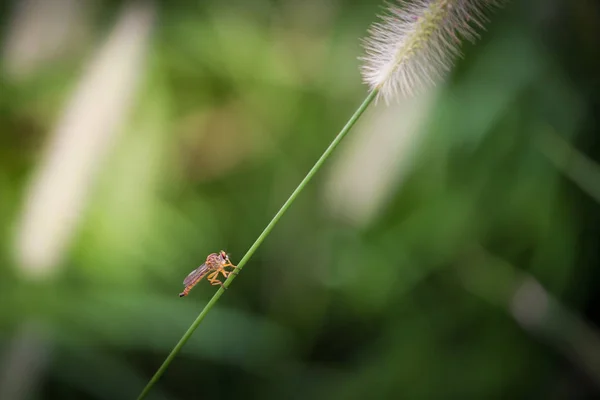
(195, 275)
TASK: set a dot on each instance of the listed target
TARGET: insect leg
(212, 278)
(230, 265)
(218, 282)
(224, 272)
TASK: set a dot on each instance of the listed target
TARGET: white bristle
(415, 44)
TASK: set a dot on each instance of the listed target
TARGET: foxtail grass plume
(416, 42)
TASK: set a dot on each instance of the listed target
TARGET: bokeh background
(447, 250)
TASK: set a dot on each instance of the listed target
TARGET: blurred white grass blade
(23, 363)
(41, 30)
(575, 165)
(530, 303)
(77, 147)
(542, 314)
(376, 158)
(415, 44)
(535, 309)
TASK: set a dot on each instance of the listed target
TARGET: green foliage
(236, 105)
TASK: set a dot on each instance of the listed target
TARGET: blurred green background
(448, 250)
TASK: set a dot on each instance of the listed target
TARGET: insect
(215, 264)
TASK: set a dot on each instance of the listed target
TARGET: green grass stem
(188, 334)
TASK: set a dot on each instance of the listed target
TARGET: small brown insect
(215, 264)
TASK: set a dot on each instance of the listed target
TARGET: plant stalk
(357, 114)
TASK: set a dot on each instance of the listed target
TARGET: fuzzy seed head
(415, 44)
